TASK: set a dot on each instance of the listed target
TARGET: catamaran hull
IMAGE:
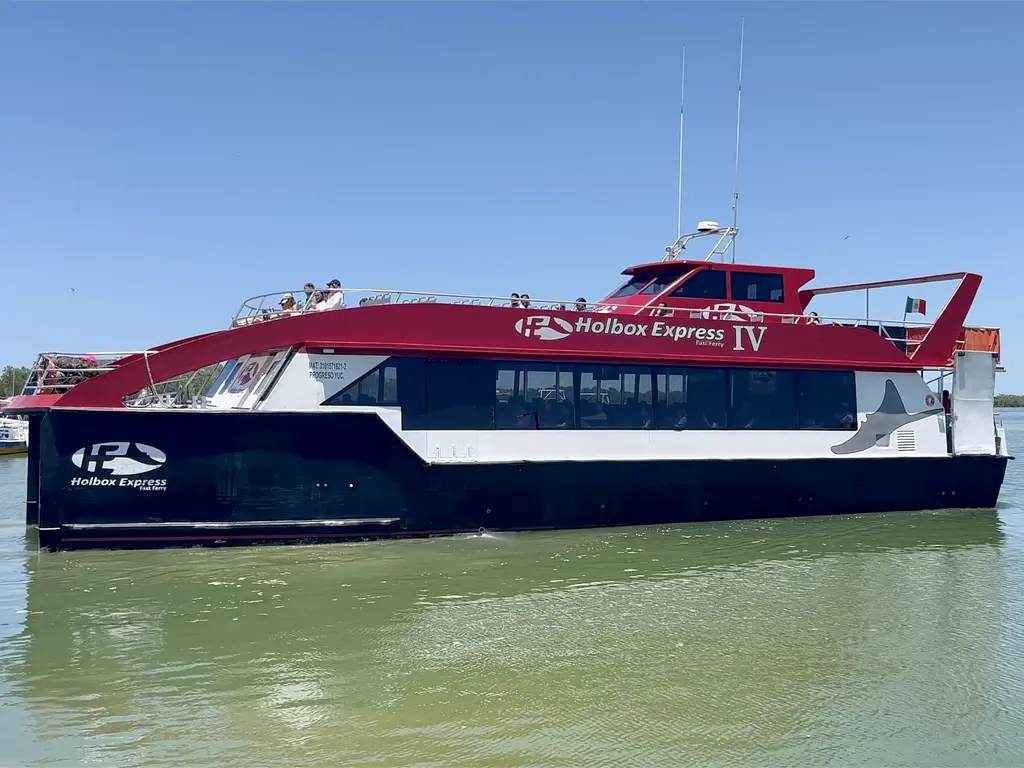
(190, 478)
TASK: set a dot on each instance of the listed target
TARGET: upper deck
(673, 312)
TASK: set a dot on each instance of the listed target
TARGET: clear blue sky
(167, 160)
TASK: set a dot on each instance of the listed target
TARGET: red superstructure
(669, 312)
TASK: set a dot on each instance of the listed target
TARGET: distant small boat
(13, 434)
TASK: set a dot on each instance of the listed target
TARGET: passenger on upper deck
(288, 305)
(335, 297)
(513, 301)
(581, 305)
(309, 289)
(524, 301)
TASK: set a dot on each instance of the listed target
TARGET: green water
(875, 640)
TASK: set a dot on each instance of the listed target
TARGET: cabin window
(827, 399)
(762, 399)
(226, 372)
(692, 398)
(615, 397)
(703, 284)
(631, 288)
(459, 393)
(757, 286)
(377, 387)
(534, 396)
(660, 283)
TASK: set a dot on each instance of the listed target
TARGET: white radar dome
(707, 226)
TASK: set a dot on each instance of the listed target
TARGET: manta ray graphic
(878, 426)
(119, 458)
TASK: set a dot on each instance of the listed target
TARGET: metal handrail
(259, 304)
(46, 366)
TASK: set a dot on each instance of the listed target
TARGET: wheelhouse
(706, 285)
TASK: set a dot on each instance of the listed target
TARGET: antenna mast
(682, 95)
(736, 174)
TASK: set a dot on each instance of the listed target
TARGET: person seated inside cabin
(335, 297)
(310, 290)
(679, 418)
(662, 310)
(563, 416)
(581, 305)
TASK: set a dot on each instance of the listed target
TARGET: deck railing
(54, 373)
(57, 372)
(267, 307)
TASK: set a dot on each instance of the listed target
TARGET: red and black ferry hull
(190, 478)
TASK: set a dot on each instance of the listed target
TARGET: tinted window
(694, 398)
(225, 373)
(615, 397)
(703, 284)
(827, 399)
(762, 400)
(660, 283)
(534, 396)
(460, 394)
(754, 286)
(378, 387)
(630, 288)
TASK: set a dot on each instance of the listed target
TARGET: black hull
(243, 478)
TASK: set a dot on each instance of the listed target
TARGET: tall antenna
(682, 95)
(736, 175)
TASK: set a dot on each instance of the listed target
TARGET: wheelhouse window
(632, 287)
(703, 284)
(827, 399)
(692, 398)
(660, 283)
(762, 400)
(757, 286)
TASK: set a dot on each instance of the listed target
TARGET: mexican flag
(914, 306)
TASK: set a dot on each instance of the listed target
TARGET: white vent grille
(905, 440)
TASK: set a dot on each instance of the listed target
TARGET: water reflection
(766, 642)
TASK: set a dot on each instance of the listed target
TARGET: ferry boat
(697, 390)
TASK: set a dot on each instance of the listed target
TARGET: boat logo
(549, 328)
(929, 400)
(112, 464)
(544, 327)
(879, 425)
(733, 313)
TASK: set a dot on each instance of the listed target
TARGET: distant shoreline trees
(1009, 401)
(12, 380)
